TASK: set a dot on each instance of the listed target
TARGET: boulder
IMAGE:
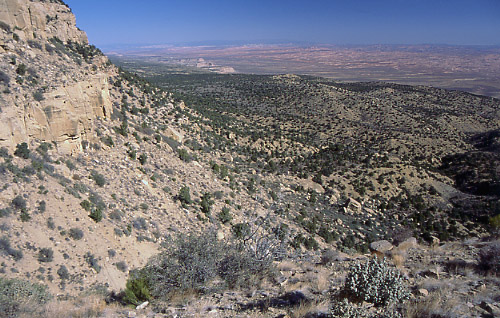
(353, 205)
(174, 134)
(410, 242)
(381, 247)
(142, 306)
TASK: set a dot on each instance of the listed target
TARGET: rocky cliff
(42, 19)
(53, 83)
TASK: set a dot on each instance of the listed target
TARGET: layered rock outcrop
(61, 91)
(41, 19)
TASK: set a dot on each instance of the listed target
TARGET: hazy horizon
(362, 22)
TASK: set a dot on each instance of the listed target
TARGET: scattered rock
(353, 205)
(381, 247)
(142, 306)
(434, 241)
(490, 308)
(294, 298)
(408, 243)
(174, 134)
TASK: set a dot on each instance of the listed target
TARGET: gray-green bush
(76, 233)
(376, 282)
(92, 261)
(21, 297)
(99, 179)
(45, 255)
(489, 259)
(7, 249)
(194, 263)
(63, 272)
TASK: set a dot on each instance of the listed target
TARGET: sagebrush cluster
(376, 282)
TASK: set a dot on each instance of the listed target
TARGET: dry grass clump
(329, 256)
(398, 258)
(307, 309)
(82, 307)
(287, 265)
(433, 306)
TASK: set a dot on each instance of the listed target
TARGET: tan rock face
(35, 19)
(65, 116)
(75, 92)
(67, 113)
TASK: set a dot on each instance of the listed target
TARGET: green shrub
(50, 223)
(132, 154)
(43, 148)
(140, 223)
(70, 164)
(96, 214)
(281, 231)
(21, 69)
(241, 230)
(375, 282)
(206, 203)
(4, 153)
(327, 235)
(86, 205)
(143, 158)
(184, 155)
(494, 222)
(122, 129)
(42, 206)
(137, 290)
(116, 215)
(345, 309)
(225, 215)
(310, 243)
(184, 196)
(108, 141)
(4, 212)
(22, 150)
(24, 216)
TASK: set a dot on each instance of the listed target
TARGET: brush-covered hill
(102, 171)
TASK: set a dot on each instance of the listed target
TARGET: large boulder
(381, 247)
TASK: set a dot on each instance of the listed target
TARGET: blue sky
(462, 22)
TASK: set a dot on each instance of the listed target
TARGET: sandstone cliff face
(40, 19)
(61, 92)
(65, 116)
